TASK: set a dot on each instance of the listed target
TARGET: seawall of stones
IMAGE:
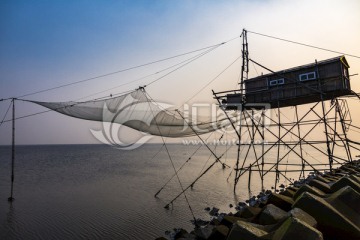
(325, 206)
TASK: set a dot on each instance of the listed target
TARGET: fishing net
(137, 111)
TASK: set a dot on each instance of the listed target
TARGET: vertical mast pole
(11, 198)
(245, 62)
(244, 75)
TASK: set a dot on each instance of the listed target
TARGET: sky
(44, 44)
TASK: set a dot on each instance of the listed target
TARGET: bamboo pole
(11, 198)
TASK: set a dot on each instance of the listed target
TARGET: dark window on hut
(307, 76)
(276, 82)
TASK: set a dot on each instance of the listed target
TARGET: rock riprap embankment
(323, 206)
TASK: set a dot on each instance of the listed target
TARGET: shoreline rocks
(322, 206)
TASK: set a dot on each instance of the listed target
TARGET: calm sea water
(99, 192)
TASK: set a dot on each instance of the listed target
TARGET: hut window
(275, 82)
(307, 76)
(281, 81)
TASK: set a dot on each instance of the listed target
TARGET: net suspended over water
(137, 111)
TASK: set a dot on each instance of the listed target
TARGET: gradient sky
(49, 43)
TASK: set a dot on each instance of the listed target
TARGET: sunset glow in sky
(44, 44)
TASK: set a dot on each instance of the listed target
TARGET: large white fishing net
(136, 110)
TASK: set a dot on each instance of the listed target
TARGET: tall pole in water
(11, 198)
(244, 75)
